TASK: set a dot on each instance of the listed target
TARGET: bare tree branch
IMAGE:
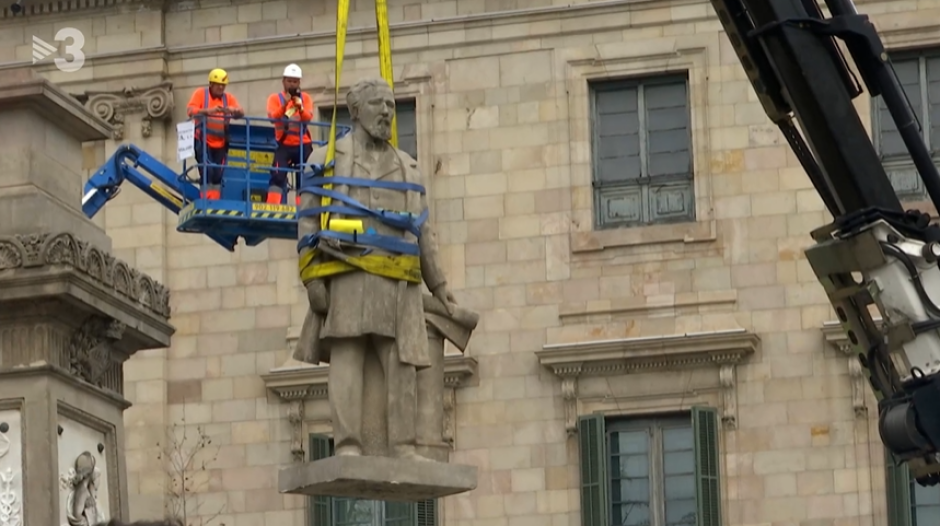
(187, 454)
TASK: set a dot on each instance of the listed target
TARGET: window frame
(900, 489)
(596, 508)
(904, 162)
(654, 425)
(645, 182)
(325, 114)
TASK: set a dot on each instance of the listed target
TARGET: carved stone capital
(155, 102)
(835, 336)
(34, 251)
(644, 355)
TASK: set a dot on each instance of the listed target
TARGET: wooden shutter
(592, 436)
(426, 513)
(320, 508)
(705, 429)
(898, 489)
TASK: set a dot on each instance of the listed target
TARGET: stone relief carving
(40, 250)
(90, 355)
(11, 512)
(155, 102)
(644, 355)
(81, 482)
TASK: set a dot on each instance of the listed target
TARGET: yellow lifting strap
(407, 268)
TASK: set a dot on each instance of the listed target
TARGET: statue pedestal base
(377, 478)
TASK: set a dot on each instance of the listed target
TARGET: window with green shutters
(406, 120)
(641, 142)
(909, 503)
(651, 471)
(335, 511)
(919, 76)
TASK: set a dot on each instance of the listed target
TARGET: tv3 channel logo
(74, 42)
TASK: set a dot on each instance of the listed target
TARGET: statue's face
(375, 112)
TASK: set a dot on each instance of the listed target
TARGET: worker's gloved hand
(318, 169)
(318, 296)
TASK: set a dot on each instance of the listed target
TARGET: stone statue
(82, 485)
(356, 315)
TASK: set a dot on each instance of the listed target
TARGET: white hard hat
(293, 71)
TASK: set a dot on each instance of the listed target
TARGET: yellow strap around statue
(342, 20)
(385, 57)
(404, 268)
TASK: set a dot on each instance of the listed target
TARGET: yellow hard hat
(218, 76)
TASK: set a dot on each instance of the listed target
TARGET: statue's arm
(431, 269)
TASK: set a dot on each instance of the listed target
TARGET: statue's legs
(347, 368)
(402, 387)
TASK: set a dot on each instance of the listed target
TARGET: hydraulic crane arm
(127, 164)
(874, 255)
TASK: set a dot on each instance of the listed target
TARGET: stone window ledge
(598, 240)
(295, 382)
(725, 349)
(835, 336)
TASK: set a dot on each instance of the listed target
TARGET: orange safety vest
(289, 133)
(216, 127)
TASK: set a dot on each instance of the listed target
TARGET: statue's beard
(380, 129)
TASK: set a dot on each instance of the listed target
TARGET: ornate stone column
(70, 316)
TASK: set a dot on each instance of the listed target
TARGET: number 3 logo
(74, 50)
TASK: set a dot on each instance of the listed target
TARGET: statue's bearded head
(371, 105)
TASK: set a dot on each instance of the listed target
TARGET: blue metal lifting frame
(240, 213)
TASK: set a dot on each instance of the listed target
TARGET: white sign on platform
(185, 133)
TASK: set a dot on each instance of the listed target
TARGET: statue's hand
(318, 296)
(445, 297)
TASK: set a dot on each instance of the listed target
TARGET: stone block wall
(504, 138)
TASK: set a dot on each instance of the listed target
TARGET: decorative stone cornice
(46, 250)
(155, 102)
(724, 349)
(309, 382)
(835, 336)
(34, 8)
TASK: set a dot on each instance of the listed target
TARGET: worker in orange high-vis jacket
(291, 110)
(211, 108)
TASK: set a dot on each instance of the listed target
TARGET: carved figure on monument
(364, 277)
(90, 355)
(81, 483)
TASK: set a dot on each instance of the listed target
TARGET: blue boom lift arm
(240, 212)
(165, 186)
(874, 256)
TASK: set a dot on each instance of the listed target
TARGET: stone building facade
(611, 198)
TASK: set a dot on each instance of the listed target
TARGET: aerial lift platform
(240, 213)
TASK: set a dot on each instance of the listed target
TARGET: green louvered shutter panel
(592, 437)
(321, 508)
(898, 489)
(399, 513)
(705, 428)
(426, 513)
